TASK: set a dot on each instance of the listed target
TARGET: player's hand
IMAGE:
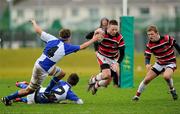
(115, 66)
(32, 21)
(79, 101)
(148, 67)
(99, 31)
(97, 37)
(98, 34)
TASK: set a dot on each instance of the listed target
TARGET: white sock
(170, 83)
(141, 87)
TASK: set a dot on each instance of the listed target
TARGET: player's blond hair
(152, 28)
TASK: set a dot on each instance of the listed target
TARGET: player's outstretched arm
(37, 28)
(98, 35)
(79, 101)
(88, 43)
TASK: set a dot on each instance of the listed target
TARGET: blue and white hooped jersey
(62, 91)
(54, 50)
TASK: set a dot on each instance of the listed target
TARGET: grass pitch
(16, 65)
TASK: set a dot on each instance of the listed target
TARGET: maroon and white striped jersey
(162, 49)
(109, 46)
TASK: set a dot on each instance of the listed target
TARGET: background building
(82, 16)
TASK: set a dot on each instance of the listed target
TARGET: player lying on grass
(55, 49)
(60, 92)
(163, 49)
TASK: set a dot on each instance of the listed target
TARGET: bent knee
(58, 73)
(108, 81)
(167, 77)
(107, 77)
(61, 74)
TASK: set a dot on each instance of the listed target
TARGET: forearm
(98, 35)
(122, 54)
(90, 35)
(96, 44)
(177, 47)
(86, 44)
(36, 27)
(147, 58)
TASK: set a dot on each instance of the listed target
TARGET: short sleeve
(47, 37)
(69, 48)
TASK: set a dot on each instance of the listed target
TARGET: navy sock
(52, 83)
(24, 100)
(13, 96)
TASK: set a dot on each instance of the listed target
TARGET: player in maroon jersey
(110, 54)
(162, 47)
(104, 24)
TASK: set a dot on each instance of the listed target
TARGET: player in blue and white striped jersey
(54, 50)
(60, 92)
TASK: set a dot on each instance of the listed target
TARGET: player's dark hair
(152, 28)
(64, 34)
(73, 79)
(113, 22)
